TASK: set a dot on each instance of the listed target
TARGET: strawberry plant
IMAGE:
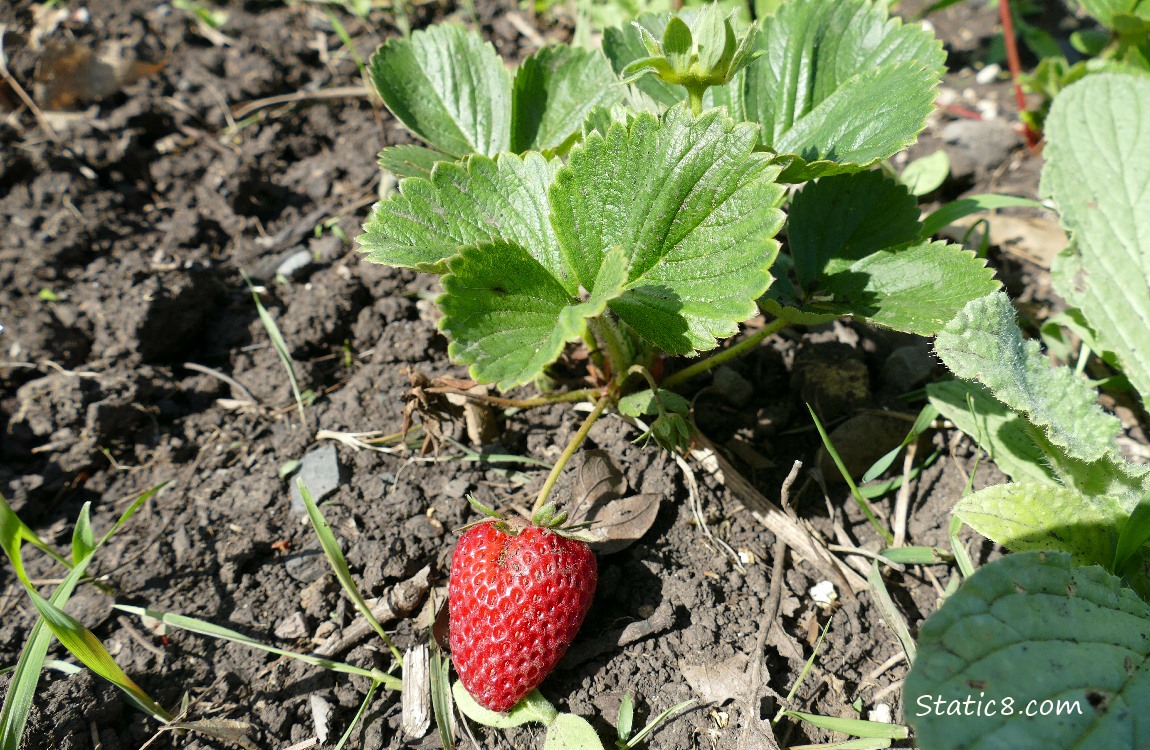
(1064, 619)
(638, 216)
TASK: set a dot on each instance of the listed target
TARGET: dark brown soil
(139, 218)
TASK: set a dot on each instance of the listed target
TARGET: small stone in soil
(292, 627)
(906, 367)
(295, 265)
(733, 387)
(319, 470)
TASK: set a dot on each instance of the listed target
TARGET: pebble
(292, 627)
(306, 567)
(906, 367)
(320, 471)
(295, 265)
(988, 74)
(733, 387)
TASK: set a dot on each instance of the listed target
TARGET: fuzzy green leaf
(554, 91)
(533, 708)
(841, 85)
(694, 209)
(447, 86)
(507, 315)
(411, 161)
(477, 201)
(841, 219)
(1024, 517)
(1032, 627)
(983, 343)
(1001, 432)
(571, 732)
(1097, 159)
(917, 288)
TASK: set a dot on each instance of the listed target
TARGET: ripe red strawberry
(516, 601)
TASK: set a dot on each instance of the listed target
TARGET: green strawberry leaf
(644, 403)
(571, 732)
(870, 211)
(1097, 159)
(532, 708)
(694, 209)
(447, 86)
(983, 343)
(411, 161)
(509, 317)
(840, 85)
(554, 91)
(1002, 433)
(915, 288)
(1032, 627)
(1023, 517)
(1025, 454)
(479, 200)
(670, 224)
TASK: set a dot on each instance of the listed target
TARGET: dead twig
(397, 603)
(770, 614)
(224, 378)
(701, 521)
(661, 620)
(781, 524)
(336, 92)
(902, 499)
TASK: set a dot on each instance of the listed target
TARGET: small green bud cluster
(707, 53)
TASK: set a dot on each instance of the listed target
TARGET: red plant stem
(1015, 64)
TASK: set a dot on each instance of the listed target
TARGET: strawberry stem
(715, 360)
(569, 451)
(584, 394)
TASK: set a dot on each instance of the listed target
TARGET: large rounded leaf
(1033, 653)
(1097, 160)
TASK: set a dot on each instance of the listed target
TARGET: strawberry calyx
(548, 517)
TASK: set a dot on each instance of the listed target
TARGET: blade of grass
(921, 423)
(955, 210)
(83, 539)
(961, 558)
(654, 723)
(803, 674)
(854, 727)
(13, 532)
(26, 675)
(890, 613)
(339, 565)
(202, 627)
(358, 716)
(855, 744)
(280, 346)
(442, 703)
(345, 38)
(862, 503)
(85, 646)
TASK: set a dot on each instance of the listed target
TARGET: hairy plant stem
(569, 451)
(737, 350)
(611, 340)
(583, 394)
(695, 97)
(651, 382)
